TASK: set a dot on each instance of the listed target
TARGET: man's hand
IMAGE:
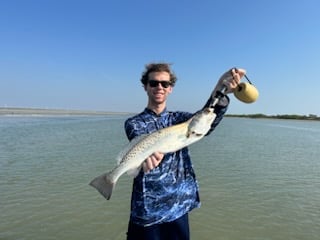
(152, 161)
(231, 79)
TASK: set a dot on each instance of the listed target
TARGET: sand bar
(39, 111)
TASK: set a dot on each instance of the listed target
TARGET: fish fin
(134, 172)
(103, 185)
(126, 149)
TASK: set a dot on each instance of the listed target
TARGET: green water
(259, 179)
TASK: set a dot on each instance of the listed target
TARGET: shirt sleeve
(129, 128)
(220, 109)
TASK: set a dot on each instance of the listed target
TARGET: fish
(165, 140)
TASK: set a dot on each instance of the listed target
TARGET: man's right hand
(152, 161)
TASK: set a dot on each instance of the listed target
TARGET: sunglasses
(155, 83)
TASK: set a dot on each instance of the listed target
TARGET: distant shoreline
(10, 111)
(16, 111)
(283, 116)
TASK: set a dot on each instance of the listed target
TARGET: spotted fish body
(165, 140)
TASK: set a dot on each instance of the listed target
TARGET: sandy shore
(38, 111)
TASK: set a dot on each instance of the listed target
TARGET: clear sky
(89, 55)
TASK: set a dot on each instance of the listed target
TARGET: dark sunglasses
(155, 83)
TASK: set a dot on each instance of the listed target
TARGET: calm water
(259, 179)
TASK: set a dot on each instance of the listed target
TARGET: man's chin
(159, 100)
(159, 97)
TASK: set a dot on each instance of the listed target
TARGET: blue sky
(89, 55)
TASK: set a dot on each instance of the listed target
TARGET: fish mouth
(208, 110)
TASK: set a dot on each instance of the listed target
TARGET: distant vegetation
(286, 116)
(36, 111)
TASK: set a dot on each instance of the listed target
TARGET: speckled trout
(169, 139)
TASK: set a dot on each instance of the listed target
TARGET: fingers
(158, 156)
(232, 79)
(233, 83)
(240, 71)
(152, 161)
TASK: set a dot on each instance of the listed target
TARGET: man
(166, 189)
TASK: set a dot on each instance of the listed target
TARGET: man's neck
(157, 108)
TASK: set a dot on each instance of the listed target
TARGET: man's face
(158, 87)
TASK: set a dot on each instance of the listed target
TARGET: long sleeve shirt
(170, 190)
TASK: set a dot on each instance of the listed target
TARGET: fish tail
(104, 185)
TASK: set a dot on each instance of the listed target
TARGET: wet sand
(39, 111)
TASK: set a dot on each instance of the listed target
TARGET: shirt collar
(162, 114)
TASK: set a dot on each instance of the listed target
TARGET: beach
(40, 111)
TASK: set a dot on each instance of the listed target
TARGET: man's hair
(158, 67)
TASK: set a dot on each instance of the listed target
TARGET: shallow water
(259, 179)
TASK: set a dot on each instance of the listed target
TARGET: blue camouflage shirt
(170, 190)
